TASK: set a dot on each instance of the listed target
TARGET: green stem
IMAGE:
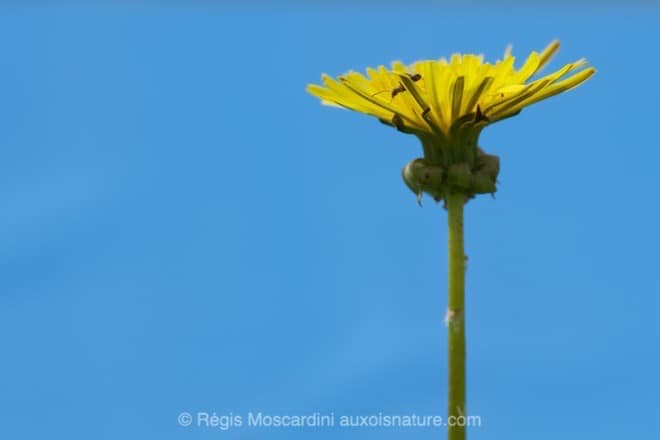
(456, 317)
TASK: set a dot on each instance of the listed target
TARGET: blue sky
(185, 229)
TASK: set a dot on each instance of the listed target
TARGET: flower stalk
(455, 318)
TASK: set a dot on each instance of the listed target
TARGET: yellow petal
(547, 53)
(529, 68)
(561, 86)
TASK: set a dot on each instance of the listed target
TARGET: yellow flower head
(447, 103)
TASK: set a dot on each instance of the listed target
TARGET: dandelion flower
(446, 104)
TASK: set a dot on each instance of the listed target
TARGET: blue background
(183, 228)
